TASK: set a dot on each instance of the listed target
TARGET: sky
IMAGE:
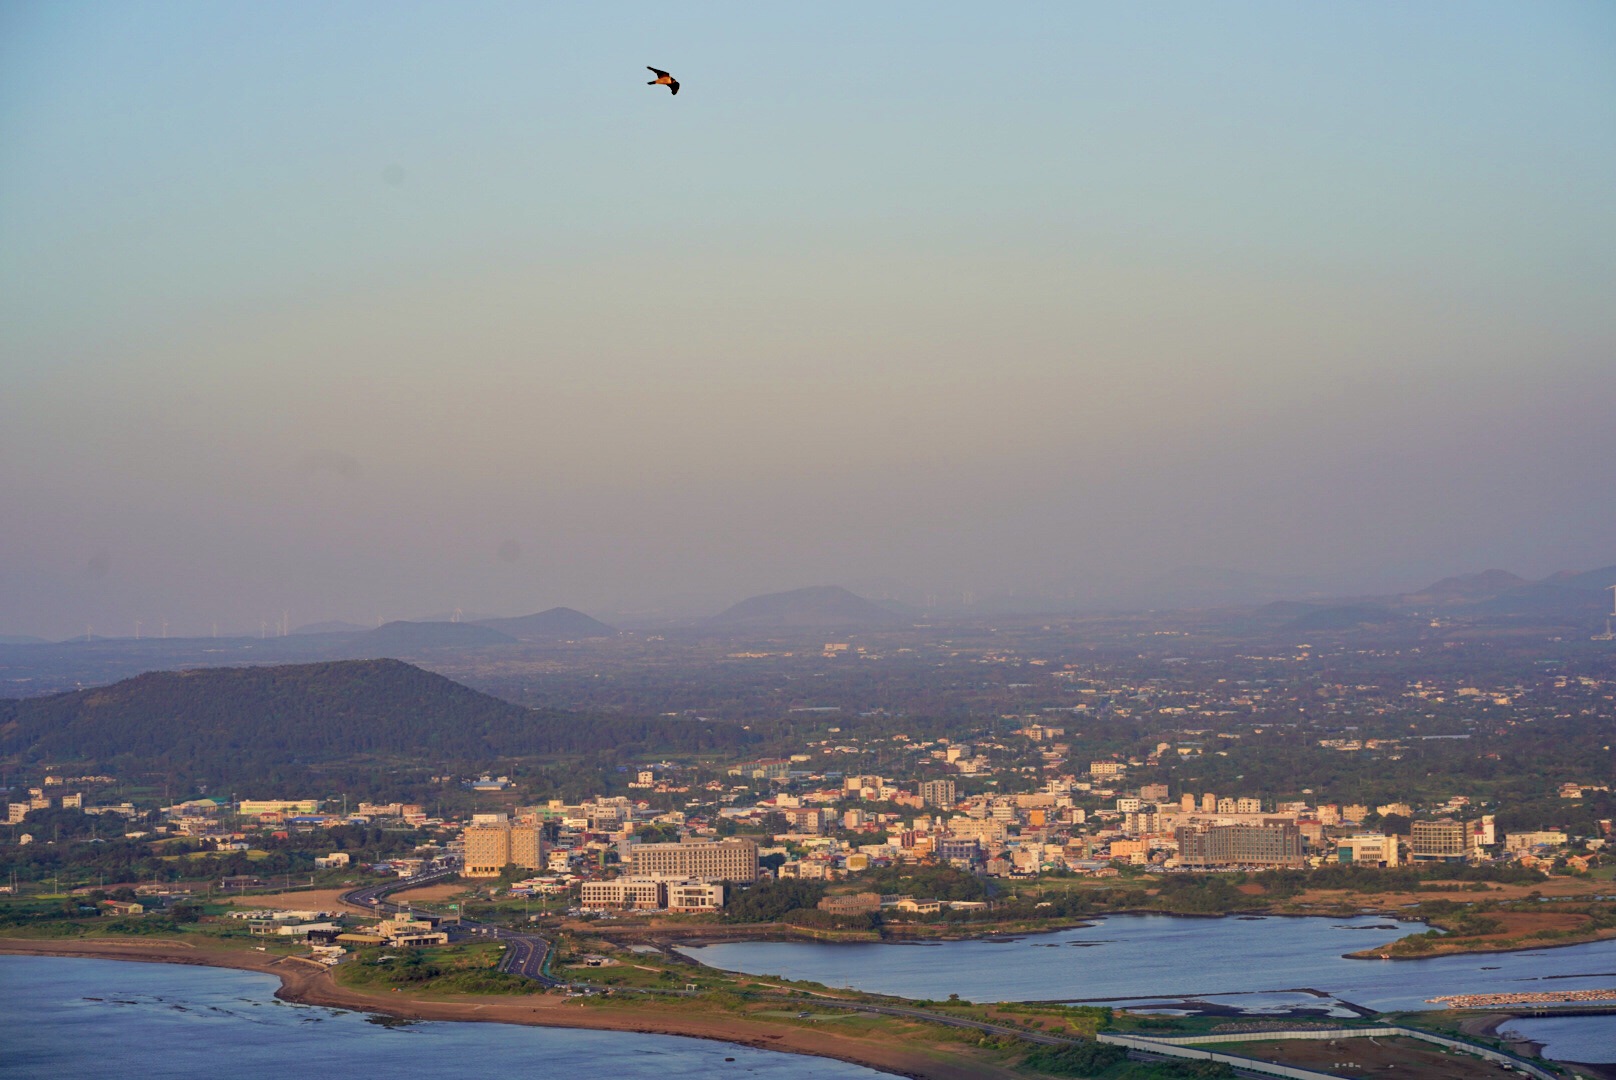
(375, 310)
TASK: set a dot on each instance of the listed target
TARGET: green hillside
(237, 725)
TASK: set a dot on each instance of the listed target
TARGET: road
(525, 954)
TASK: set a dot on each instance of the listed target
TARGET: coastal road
(525, 954)
(371, 897)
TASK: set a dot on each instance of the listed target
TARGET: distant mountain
(259, 728)
(1569, 594)
(1467, 588)
(1345, 617)
(335, 626)
(821, 606)
(556, 624)
(1593, 581)
(408, 636)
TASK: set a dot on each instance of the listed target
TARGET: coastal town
(784, 819)
(625, 840)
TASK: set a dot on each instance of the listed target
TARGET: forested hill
(243, 724)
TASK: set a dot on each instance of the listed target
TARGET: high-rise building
(492, 847)
(1240, 845)
(1444, 840)
(724, 860)
(938, 792)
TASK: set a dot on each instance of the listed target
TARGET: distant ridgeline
(232, 725)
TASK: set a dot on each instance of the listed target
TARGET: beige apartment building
(492, 847)
(696, 860)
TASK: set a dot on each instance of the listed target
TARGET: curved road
(525, 954)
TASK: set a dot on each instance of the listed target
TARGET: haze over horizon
(393, 309)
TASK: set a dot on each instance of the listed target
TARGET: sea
(63, 1018)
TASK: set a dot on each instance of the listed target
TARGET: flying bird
(663, 79)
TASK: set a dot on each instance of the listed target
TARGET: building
(1526, 841)
(254, 807)
(803, 819)
(938, 792)
(625, 894)
(695, 896)
(958, 849)
(492, 847)
(767, 769)
(1240, 845)
(1444, 840)
(696, 860)
(406, 931)
(1141, 822)
(865, 903)
(1368, 850)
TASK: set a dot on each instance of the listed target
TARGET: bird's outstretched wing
(659, 72)
(674, 86)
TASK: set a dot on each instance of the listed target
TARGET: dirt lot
(303, 900)
(428, 894)
(1374, 1057)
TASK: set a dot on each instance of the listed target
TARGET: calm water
(1243, 963)
(164, 1022)
(1571, 1038)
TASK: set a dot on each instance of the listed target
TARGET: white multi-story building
(693, 860)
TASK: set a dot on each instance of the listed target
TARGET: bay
(1248, 964)
(79, 1017)
(1590, 1039)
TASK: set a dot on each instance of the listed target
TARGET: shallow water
(1255, 965)
(63, 1018)
(1570, 1038)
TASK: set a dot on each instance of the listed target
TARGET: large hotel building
(1240, 845)
(725, 860)
(492, 847)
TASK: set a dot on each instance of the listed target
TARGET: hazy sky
(369, 309)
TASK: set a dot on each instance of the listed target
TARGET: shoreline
(1480, 949)
(305, 982)
(1490, 1024)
